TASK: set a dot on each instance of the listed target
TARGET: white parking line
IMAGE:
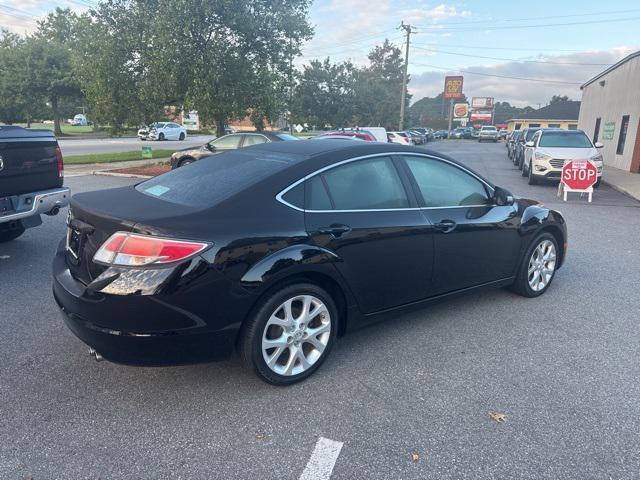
(322, 460)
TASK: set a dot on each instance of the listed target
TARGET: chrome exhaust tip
(96, 355)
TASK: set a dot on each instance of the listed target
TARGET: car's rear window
(564, 139)
(213, 179)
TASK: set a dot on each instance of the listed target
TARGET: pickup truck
(31, 179)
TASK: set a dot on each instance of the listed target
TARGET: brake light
(131, 250)
(59, 162)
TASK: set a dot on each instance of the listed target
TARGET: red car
(366, 136)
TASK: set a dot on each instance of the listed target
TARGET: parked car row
(540, 153)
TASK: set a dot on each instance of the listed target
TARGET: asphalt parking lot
(406, 399)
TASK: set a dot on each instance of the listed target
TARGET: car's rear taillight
(131, 250)
(59, 162)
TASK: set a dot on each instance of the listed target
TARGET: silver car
(488, 133)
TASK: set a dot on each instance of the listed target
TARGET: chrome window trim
(375, 155)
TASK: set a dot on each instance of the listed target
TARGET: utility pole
(290, 85)
(406, 28)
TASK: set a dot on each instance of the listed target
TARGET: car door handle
(335, 230)
(445, 226)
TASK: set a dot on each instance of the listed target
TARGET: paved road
(563, 368)
(109, 145)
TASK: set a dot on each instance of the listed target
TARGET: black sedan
(225, 143)
(278, 249)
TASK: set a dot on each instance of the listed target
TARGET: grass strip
(115, 156)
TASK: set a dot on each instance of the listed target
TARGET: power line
(478, 47)
(335, 47)
(15, 12)
(515, 59)
(444, 28)
(613, 12)
(540, 80)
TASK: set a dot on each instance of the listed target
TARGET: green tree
(325, 94)
(13, 103)
(558, 99)
(379, 87)
(505, 111)
(432, 111)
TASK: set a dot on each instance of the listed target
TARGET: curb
(620, 189)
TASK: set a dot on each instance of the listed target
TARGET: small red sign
(579, 174)
(453, 87)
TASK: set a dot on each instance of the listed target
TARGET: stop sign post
(578, 176)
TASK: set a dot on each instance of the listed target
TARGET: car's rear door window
(368, 184)
(254, 140)
(227, 142)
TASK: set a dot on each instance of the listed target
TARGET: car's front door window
(444, 185)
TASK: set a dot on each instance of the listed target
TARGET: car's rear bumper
(137, 329)
(35, 203)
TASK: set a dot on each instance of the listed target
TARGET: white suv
(488, 132)
(546, 153)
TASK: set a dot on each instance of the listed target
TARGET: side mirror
(529, 144)
(503, 197)
(210, 147)
(598, 145)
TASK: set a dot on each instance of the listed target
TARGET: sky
(518, 52)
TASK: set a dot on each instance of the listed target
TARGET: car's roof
(335, 150)
(269, 135)
(571, 132)
(12, 131)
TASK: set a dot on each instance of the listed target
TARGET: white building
(610, 111)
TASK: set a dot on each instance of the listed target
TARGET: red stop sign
(579, 174)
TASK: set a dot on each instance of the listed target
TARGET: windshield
(488, 128)
(286, 136)
(564, 140)
(530, 134)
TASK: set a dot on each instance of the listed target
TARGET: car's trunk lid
(95, 216)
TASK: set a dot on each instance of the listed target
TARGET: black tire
(186, 161)
(161, 137)
(11, 233)
(532, 180)
(522, 168)
(251, 340)
(181, 137)
(521, 284)
(597, 184)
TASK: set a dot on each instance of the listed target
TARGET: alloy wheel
(542, 265)
(296, 335)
